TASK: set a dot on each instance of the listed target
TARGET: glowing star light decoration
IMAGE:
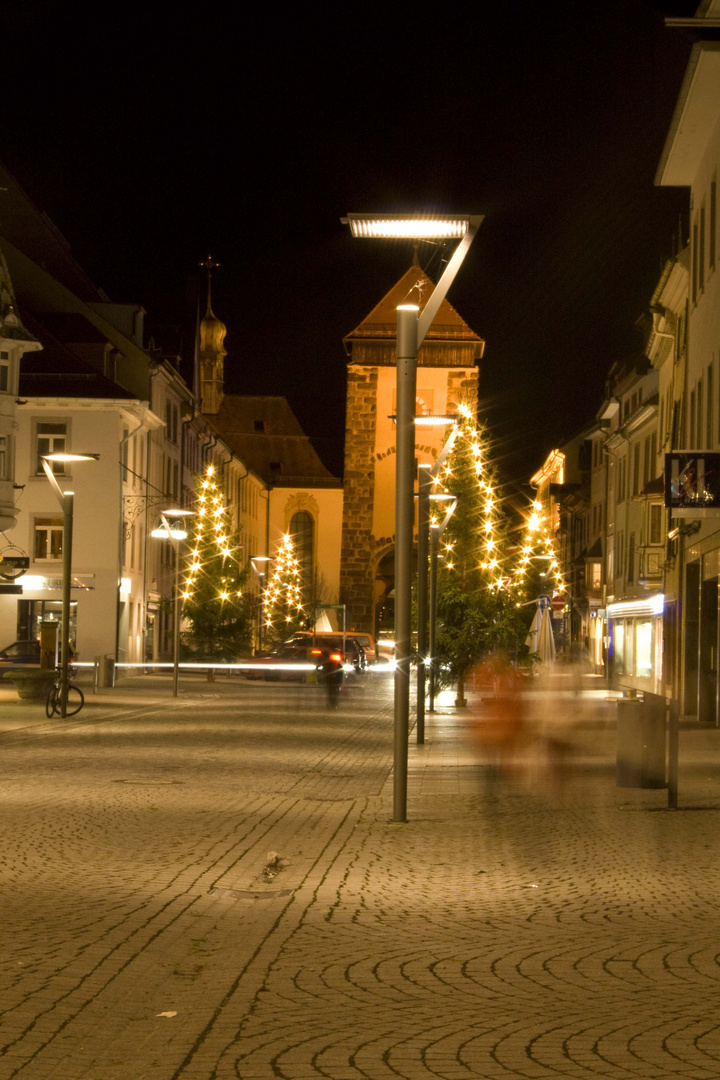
(470, 445)
(211, 539)
(538, 546)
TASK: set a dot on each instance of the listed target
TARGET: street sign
(559, 602)
(13, 566)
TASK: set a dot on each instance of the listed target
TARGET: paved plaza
(211, 888)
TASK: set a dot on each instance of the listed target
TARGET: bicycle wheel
(75, 700)
(52, 705)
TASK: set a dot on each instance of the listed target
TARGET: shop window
(48, 541)
(643, 649)
(619, 648)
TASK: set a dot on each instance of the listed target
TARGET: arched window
(302, 533)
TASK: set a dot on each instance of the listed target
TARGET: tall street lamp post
(427, 475)
(412, 327)
(424, 489)
(260, 565)
(67, 502)
(174, 528)
(436, 531)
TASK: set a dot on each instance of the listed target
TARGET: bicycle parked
(75, 696)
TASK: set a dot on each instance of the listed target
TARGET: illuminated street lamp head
(66, 456)
(411, 226)
(174, 533)
(168, 530)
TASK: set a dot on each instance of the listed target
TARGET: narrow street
(211, 888)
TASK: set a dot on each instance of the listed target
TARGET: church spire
(212, 350)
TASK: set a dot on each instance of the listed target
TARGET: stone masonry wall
(463, 386)
(358, 547)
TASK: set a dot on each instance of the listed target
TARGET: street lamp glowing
(67, 502)
(65, 456)
(410, 226)
(175, 532)
(412, 328)
(169, 534)
(168, 531)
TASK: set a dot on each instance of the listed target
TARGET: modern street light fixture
(174, 528)
(67, 502)
(412, 327)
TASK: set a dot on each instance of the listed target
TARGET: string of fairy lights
(282, 599)
(538, 542)
(211, 528)
(469, 436)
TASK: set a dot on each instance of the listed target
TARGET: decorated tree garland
(282, 604)
(218, 616)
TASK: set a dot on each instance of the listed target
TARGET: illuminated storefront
(636, 643)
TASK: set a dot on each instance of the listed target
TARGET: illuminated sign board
(692, 484)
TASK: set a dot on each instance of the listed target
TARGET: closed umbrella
(532, 639)
(545, 639)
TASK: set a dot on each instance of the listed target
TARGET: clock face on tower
(422, 406)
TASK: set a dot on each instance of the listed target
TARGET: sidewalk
(213, 889)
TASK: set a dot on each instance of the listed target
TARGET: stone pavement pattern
(509, 929)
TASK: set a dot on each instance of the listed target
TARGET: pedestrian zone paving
(213, 888)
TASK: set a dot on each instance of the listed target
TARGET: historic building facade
(447, 374)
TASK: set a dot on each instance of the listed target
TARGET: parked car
(20, 654)
(293, 662)
(353, 653)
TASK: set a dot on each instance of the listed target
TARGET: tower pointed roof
(414, 287)
(212, 329)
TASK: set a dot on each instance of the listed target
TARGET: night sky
(151, 141)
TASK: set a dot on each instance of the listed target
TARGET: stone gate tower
(447, 374)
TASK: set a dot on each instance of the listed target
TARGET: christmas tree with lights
(282, 604)
(475, 613)
(215, 608)
(537, 568)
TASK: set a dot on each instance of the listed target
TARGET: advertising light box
(692, 484)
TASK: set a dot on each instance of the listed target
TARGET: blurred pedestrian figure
(520, 733)
(330, 672)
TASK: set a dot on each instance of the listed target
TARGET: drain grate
(251, 894)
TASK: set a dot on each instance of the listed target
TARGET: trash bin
(105, 670)
(641, 742)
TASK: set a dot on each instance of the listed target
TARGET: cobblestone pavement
(211, 889)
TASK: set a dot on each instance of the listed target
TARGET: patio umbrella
(532, 638)
(545, 639)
